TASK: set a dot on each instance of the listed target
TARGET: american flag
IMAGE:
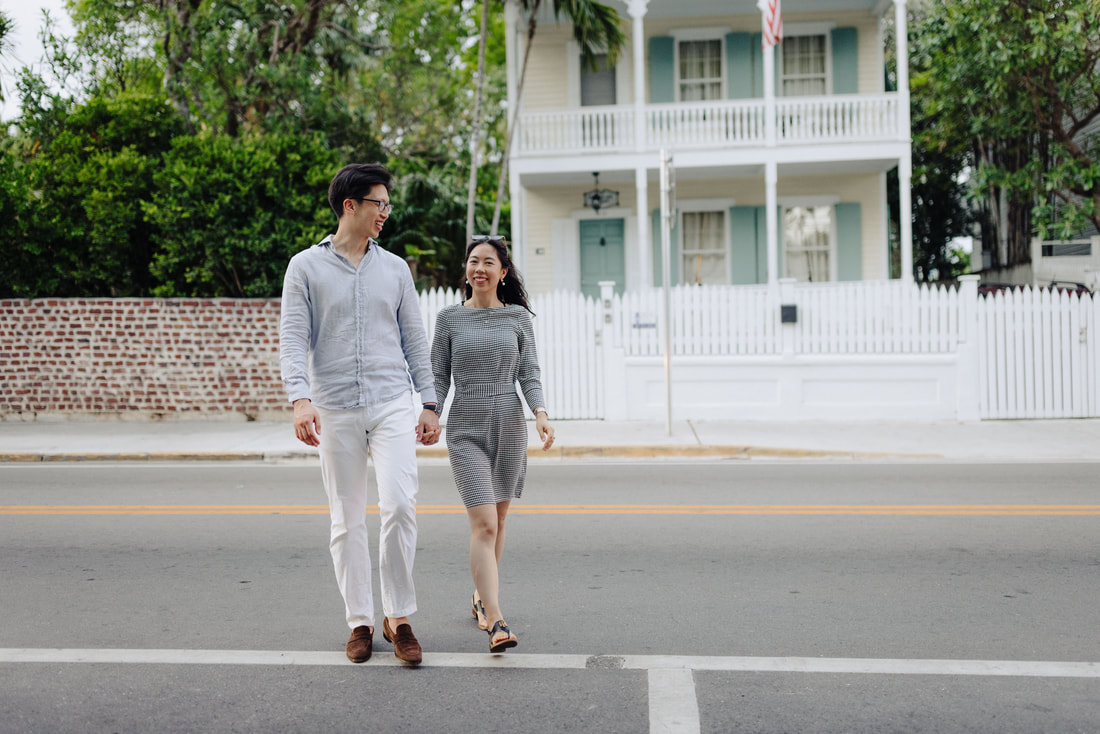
(773, 21)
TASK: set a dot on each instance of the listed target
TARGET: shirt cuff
(297, 394)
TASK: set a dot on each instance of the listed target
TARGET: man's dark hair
(354, 181)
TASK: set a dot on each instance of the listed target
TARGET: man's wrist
(432, 406)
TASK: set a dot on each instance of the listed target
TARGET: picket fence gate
(1037, 352)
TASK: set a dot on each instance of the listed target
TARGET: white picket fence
(1037, 352)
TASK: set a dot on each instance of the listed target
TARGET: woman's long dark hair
(510, 289)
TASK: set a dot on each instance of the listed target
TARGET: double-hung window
(807, 243)
(699, 72)
(804, 65)
(598, 86)
(704, 248)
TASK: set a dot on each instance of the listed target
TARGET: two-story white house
(790, 184)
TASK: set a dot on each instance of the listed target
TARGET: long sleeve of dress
(528, 372)
(441, 359)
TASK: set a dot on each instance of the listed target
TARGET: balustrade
(856, 118)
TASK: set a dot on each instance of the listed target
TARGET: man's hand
(307, 422)
(427, 429)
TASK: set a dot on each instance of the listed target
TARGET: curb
(440, 452)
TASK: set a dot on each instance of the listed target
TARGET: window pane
(803, 72)
(807, 232)
(700, 59)
(598, 87)
(701, 269)
(808, 267)
(704, 251)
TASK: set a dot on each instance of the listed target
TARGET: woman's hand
(546, 431)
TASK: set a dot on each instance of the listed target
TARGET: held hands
(307, 422)
(428, 429)
(545, 430)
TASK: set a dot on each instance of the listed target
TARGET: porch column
(771, 179)
(905, 164)
(637, 10)
(901, 25)
(905, 213)
(645, 252)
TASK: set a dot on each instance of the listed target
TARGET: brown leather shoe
(360, 644)
(405, 646)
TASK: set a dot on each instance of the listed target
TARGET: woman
(486, 343)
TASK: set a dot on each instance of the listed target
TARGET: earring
(502, 281)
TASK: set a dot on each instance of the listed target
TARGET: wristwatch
(434, 407)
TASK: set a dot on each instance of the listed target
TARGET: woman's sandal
(479, 613)
(505, 643)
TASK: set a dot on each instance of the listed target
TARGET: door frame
(566, 235)
(601, 218)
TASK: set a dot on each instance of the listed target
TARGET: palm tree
(595, 27)
(475, 137)
(7, 26)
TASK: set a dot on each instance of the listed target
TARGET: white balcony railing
(856, 118)
(849, 117)
(704, 124)
(586, 130)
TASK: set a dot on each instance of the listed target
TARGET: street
(647, 596)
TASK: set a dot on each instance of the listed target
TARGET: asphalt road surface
(648, 596)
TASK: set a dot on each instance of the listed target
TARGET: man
(350, 337)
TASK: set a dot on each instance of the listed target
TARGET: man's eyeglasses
(383, 206)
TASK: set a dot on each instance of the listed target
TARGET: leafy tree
(1017, 82)
(81, 228)
(938, 186)
(428, 223)
(182, 147)
(230, 212)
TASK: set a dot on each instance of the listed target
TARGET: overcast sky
(27, 49)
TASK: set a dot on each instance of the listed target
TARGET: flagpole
(771, 23)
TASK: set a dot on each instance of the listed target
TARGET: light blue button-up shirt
(351, 337)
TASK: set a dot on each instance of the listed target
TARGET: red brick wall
(185, 358)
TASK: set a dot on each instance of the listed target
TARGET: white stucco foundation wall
(842, 387)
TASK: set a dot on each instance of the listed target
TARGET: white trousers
(387, 432)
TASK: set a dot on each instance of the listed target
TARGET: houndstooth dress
(486, 350)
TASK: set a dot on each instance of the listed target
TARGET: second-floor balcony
(849, 118)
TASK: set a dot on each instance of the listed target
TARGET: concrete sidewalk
(1051, 440)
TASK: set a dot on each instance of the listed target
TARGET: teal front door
(603, 255)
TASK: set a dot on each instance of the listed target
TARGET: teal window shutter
(849, 242)
(674, 253)
(662, 75)
(757, 64)
(744, 248)
(845, 60)
(739, 68)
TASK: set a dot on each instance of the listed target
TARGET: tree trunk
(531, 26)
(475, 137)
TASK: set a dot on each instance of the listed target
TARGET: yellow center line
(568, 509)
